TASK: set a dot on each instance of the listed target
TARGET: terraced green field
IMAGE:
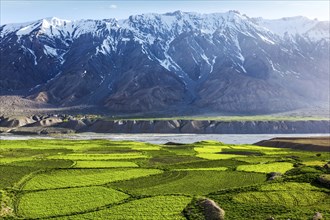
(159, 207)
(7, 160)
(83, 177)
(214, 156)
(259, 159)
(281, 167)
(104, 164)
(289, 186)
(44, 164)
(286, 198)
(205, 168)
(101, 179)
(231, 163)
(66, 201)
(9, 175)
(117, 156)
(197, 182)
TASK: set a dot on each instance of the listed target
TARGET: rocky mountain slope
(183, 62)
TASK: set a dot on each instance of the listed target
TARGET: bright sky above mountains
(25, 10)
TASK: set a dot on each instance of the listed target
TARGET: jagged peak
(185, 20)
(54, 21)
(234, 12)
(178, 13)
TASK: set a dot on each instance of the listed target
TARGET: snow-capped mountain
(216, 62)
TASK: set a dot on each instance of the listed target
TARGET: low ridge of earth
(63, 123)
(307, 143)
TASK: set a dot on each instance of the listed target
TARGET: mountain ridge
(137, 65)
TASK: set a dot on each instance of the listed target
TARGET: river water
(163, 138)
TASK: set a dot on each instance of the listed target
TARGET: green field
(118, 156)
(103, 164)
(9, 175)
(197, 182)
(280, 167)
(286, 198)
(83, 177)
(66, 201)
(102, 179)
(160, 207)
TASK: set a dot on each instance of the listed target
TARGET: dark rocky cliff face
(210, 127)
(36, 124)
(179, 61)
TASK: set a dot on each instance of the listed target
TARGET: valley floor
(103, 179)
(18, 105)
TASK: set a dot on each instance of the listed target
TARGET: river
(163, 138)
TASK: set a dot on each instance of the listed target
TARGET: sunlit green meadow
(102, 179)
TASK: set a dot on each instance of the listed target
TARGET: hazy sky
(24, 10)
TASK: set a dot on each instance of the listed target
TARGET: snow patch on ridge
(27, 30)
(104, 48)
(50, 51)
(34, 56)
(265, 39)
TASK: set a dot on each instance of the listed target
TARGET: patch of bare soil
(13, 105)
(308, 143)
(17, 105)
(5, 210)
